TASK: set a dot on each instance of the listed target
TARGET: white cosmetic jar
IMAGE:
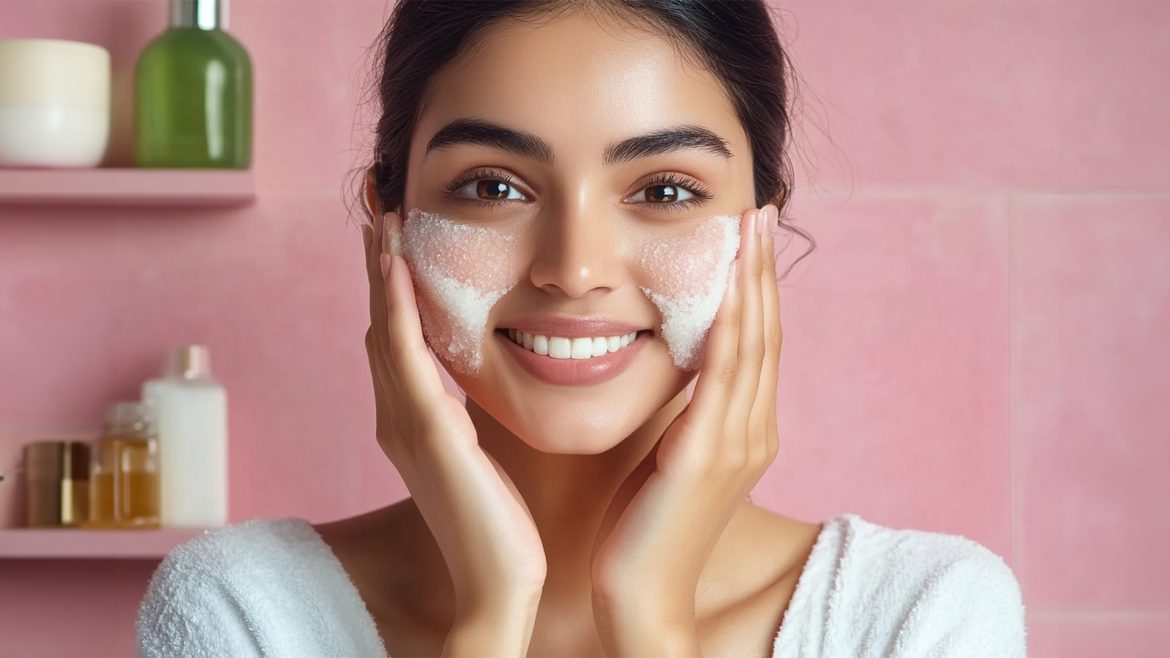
(54, 103)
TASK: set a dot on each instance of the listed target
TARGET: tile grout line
(1008, 211)
(945, 191)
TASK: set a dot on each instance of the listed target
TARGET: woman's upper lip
(571, 326)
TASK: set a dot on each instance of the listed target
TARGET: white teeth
(582, 348)
(559, 347)
(600, 346)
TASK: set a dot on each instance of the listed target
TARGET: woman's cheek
(687, 276)
(462, 271)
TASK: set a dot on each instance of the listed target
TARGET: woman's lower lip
(574, 372)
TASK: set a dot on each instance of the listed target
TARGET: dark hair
(735, 40)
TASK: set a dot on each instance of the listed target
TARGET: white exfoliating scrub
(465, 270)
(689, 276)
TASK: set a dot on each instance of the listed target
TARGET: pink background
(975, 348)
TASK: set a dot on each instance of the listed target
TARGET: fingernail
(384, 259)
(767, 216)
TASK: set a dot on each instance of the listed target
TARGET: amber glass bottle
(123, 478)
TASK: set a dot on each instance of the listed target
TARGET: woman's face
(525, 212)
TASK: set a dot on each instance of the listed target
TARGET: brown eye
(484, 186)
(665, 193)
(492, 189)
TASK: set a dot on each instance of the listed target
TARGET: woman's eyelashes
(496, 181)
(672, 184)
(670, 192)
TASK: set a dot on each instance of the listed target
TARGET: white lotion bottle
(191, 409)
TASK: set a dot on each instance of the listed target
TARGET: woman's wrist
(499, 628)
(636, 626)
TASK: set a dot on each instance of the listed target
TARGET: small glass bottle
(124, 476)
(193, 93)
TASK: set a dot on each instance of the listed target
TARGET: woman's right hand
(477, 516)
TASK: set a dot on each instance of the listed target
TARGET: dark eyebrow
(487, 133)
(667, 140)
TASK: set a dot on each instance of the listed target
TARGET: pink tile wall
(974, 348)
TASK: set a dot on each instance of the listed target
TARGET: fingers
(773, 333)
(751, 333)
(738, 382)
(374, 274)
(377, 291)
(379, 222)
(371, 256)
(398, 355)
(718, 372)
(406, 350)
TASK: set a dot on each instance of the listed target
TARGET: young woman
(572, 206)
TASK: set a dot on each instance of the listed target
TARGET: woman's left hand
(666, 518)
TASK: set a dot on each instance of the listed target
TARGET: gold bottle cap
(56, 460)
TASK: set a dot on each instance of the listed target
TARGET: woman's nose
(576, 253)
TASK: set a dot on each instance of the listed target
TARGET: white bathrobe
(273, 587)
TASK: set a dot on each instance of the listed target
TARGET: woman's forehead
(579, 85)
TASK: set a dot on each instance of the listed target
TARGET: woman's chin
(563, 424)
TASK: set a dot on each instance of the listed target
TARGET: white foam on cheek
(464, 270)
(689, 275)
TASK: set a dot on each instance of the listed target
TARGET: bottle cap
(131, 419)
(56, 460)
(203, 14)
(188, 362)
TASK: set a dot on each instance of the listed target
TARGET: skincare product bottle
(192, 432)
(193, 93)
(57, 483)
(54, 103)
(123, 477)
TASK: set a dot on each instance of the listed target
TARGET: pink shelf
(109, 186)
(40, 543)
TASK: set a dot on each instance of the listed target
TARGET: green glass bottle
(193, 93)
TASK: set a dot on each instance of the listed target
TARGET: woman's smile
(563, 347)
(572, 350)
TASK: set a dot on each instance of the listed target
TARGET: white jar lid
(40, 72)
